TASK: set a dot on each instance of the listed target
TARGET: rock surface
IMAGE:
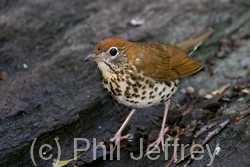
(48, 92)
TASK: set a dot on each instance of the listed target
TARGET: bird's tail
(190, 45)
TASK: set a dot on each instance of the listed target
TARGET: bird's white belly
(148, 97)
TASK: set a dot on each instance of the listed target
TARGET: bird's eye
(113, 51)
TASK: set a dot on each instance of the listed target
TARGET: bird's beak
(96, 58)
(91, 57)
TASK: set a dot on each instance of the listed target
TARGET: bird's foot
(159, 140)
(115, 141)
(118, 137)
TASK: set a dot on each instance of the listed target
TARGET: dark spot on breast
(168, 95)
(129, 83)
(133, 77)
(163, 97)
(136, 96)
(134, 85)
(113, 80)
(149, 102)
(138, 84)
(139, 77)
(156, 88)
(164, 89)
(135, 102)
(144, 92)
(151, 93)
(172, 89)
(144, 87)
(143, 97)
(168, 83)
(127, 94)
(135, 90)
(142, 79)
(111, 85)
(151, 85)
(118, 90)
(113, 92)
(151, 97)
(105, 81)
(147, 81)
(160, 93)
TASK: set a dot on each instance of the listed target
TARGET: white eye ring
(113, 51)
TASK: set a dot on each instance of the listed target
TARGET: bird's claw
(114, 141)
(159, 140)
(117, 138)
(155, 145)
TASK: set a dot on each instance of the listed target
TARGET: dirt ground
(49, 93)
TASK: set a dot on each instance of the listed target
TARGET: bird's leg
(163, 130)
(118, 136)
(175, 149)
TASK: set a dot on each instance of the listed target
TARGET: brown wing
(162, 62)
(182, 65)
(151, 60)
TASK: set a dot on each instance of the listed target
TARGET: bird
(141, 75)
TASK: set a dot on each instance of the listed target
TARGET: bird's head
(113, 51)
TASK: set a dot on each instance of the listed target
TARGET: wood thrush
(142, 75)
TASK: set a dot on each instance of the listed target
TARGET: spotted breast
(134, 89)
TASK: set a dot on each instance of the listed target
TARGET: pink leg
(160, 138)
(118, 136)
